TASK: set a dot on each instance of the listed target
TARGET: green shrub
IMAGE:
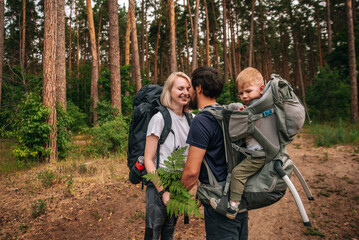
(328, 98)
(31, 130)
(38, 208)
(110, 136)
(47, 178)
(64, 121)
(78, 118)
(327, 135)
(229, 94)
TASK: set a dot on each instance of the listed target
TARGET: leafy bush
(78, 118)
(329, 96)
(229, 94)
(47, 178)
(64, 121)
(38, 208)
(31, 130)
(110, 136)
(181, 201)
(336, 133)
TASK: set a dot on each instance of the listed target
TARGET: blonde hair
(166, 98)
(249, 76)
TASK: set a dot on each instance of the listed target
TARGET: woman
(175, 98)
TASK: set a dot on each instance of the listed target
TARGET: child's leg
(241, 173)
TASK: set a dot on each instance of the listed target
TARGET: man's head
(210, 82)
(250, 84)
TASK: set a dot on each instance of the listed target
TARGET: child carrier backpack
(281, 116)
(146, 104)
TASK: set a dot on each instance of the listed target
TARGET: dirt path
(104, 205)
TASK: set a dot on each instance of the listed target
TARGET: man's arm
(193, 166)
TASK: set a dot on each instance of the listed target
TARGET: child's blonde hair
(249, 76)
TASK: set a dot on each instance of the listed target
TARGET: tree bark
(264, 45)
(250, 63)
(208, 61)
(173, 59)
(187, 48)
(94, 71)
(2, 9)
(319, 38)
(195, 32)
(49, 71)
(114, 55)
(299, 62)
(127, 38)
(190, 16)
(60, 56)
(70, 41)
(155, 71)
(77, 42)
(233, 44)
(329, 27)
(143, 25)
(98, 40)
(352, 63)
(225, 41)
(23, 35)
(134, 43)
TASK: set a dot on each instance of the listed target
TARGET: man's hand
(166, 197)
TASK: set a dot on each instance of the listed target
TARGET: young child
(250, 86)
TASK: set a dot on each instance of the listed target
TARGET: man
(205, 141)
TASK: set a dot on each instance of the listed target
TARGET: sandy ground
(102, 204)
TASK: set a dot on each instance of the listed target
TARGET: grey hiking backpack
(281, 116)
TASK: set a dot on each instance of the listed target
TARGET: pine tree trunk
(60, 56)
(264, 45)
(329, 27)
(208, 61)
(155, 71)
(225, 41)
(319, 38)
(77, 44)
(136, 73)
(173, 59)
(195, 32)
(23, 35)
(299, 62)
(94, 71)
(127, 38)
(190, 16)
(49, 71)
(233, 44)
(114, 55)
(70, 41)
(187, 48)
(143, 25)
(352, 63)
(98, 41)
(250, 63)
(2, 8)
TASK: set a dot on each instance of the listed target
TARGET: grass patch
(8, 163)
(38, 208)
(47, 178)
(136, 216)
(314, 232)
(329, 134)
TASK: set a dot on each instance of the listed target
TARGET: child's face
(249, 92)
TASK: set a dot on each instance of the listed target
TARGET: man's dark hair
(209, 79)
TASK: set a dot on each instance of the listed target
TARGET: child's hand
(242, 108)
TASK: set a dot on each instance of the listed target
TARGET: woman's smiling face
(180, 91)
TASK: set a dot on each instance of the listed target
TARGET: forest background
(69, 69)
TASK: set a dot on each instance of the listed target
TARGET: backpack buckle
(267, 113)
